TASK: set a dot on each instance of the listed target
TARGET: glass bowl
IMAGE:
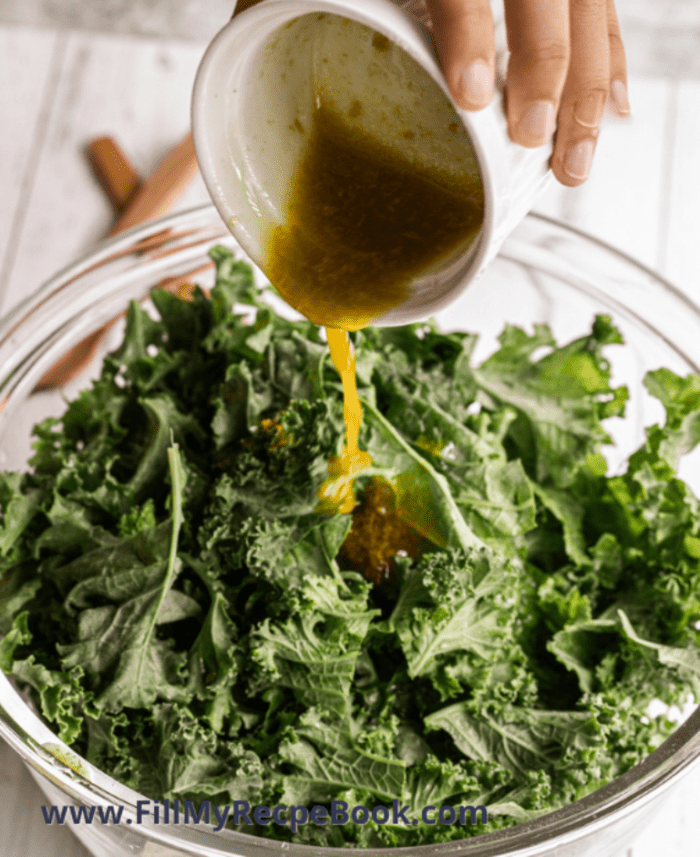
(545, 272)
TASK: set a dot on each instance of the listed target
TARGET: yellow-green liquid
(361, 223)
(367, 212)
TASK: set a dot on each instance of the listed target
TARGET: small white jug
(252, 87)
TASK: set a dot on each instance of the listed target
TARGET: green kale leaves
(175, 606)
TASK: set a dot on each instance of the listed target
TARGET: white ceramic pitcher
(253, 84)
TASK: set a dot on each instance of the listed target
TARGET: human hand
(566, 57)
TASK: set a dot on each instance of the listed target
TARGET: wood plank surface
(25, 101)
(661, 36)
(22, 829)
(191, 20)
(133, 89)
(59, 89)
(681, 261)
(624, 200)
(675, 829)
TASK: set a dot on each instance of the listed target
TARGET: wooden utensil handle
(114, 170)
(170, 179)
(155, 197)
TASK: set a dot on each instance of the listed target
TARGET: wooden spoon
(154, 198)
(115, 172)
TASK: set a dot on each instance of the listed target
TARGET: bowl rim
(18, 723)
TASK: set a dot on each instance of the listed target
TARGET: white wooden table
(59, 88)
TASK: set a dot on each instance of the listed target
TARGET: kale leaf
(174, 604)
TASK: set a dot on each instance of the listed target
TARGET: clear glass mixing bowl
(545, 273)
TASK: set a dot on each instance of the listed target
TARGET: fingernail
(477, 84)
(618, 96)
(588, 111)
(579, 158)
(537, 123)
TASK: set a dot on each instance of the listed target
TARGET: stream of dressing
(353, 460)
(387, 188)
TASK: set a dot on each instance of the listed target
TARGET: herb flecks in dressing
(361, 223)
(367, 213)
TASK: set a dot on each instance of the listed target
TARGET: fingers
(618, 64)
(566, 58)
(463, 31)
(538, 38)
(242, 5)
(585, 92)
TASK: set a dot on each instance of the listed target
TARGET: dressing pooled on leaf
(186, 621)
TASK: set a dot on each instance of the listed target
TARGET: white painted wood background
(59, 87)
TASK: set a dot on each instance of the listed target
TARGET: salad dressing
(338, 488)
(379, 534)
(362, 222)
(366, 216)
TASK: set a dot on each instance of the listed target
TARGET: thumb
(242, 5)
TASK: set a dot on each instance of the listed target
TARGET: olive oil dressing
(378, 198)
